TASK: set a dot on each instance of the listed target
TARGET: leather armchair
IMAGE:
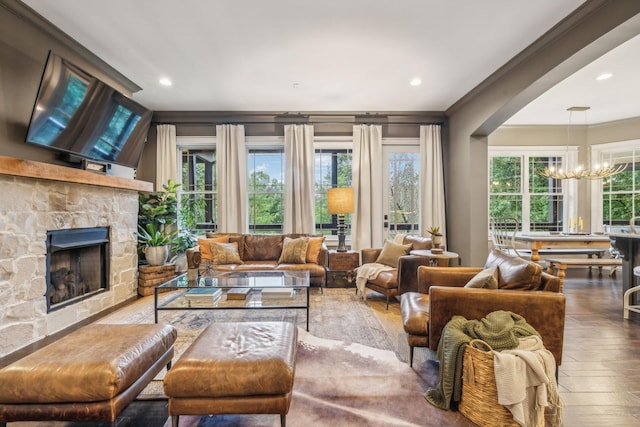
(402, 278)
(441, 295)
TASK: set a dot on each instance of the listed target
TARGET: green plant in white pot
(436, 236)
(157, 216)
(155, 243)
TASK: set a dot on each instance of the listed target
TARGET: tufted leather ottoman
(235, 368)
(92, 374)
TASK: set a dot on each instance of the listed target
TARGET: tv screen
(77, 113)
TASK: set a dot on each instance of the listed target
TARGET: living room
(471, 128)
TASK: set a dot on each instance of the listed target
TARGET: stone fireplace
(77, 265)
(42, 198)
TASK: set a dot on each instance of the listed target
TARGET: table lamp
(340, 202)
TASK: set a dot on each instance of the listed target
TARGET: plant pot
(436, 240)
(156, 255)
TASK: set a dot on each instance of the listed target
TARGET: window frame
(597, 153)
(394, 146)
(270, 143)
(568, 154)
(331, 143)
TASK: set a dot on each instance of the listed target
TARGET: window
(402, 189)
(621, 192)
(266, 190)
(332, 169)
(199, 197)
(517, 191)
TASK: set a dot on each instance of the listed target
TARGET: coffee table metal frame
(256, 281)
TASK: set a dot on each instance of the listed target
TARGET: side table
(440, 259)
(340, 272)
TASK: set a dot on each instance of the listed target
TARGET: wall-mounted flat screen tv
(76, 113)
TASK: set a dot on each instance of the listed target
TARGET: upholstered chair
(401, 276)
(505, 283)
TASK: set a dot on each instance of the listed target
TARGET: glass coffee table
(237, 290)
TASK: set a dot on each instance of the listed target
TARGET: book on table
(275, 293)
(200, 294)
(238, 293)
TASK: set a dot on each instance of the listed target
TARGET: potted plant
(155, 243)
(157, 217)
(436, 236)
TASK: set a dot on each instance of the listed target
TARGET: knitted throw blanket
(500, 329)
(366, 272)
(526, 383)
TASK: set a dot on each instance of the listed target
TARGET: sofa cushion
(262, 247)
(417, 242)
(294, 251)
(314, 248)
(391, 252)
(515, 272)
(205, 246)
(487, 278)
(233, 237)
(387, 279)
(225, 253)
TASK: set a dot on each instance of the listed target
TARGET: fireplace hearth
(77, 265)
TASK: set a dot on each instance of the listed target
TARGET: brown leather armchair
(401, 279)
(441, 295)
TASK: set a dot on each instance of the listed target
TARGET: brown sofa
(402, 278)
(262, 252)
(523, 288)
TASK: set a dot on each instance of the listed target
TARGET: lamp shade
(340, 200)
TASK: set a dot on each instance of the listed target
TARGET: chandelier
(580, 172)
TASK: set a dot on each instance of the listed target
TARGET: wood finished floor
(599, 379)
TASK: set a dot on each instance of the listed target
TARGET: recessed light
(415, 82)
(165, 81)
(604, 76)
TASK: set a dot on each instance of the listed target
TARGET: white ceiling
(334, 55)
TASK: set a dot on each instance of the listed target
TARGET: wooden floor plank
(599, 379)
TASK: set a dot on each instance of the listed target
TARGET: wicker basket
(479, 400)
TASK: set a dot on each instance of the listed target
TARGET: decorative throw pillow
(294, 251)
(487, 278)
(515, 272)
(391, 252)
(225, 253)
(314, 248)
(205, 249)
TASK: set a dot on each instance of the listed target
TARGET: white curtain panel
(366, 223)
(231, 173)
(166, 168)
(299, 180)
(433, 212)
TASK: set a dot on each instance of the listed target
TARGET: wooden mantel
(33, 169)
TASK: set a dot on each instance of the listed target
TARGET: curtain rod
(297, 123)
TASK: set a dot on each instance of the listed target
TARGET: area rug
(348, 384)
(351, 365)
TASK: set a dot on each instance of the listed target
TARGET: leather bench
(91, 374)
(235, 368)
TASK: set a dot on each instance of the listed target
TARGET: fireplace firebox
(77, 265)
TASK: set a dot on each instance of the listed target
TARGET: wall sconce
(340, 202)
